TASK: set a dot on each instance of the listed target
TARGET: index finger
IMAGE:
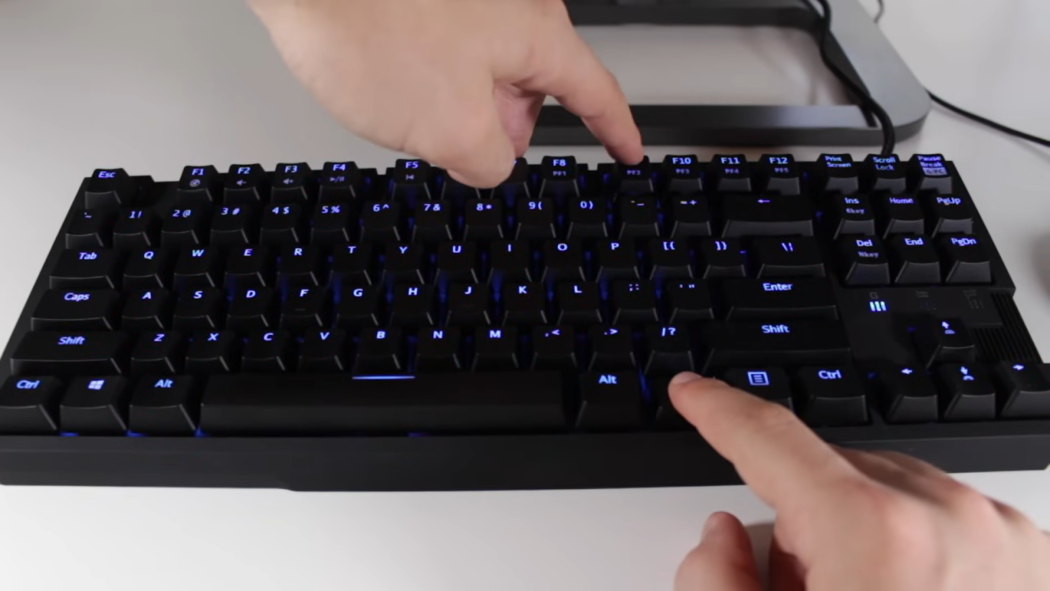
(781, 459)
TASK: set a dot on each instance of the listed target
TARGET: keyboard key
(95, 406)
(732, 173)
(852, 215)
(359, 306)
(496, 349)
(832, 396)
(246, 184)
(300, 266)
(554, 348)
(413, 305)
(689, 301)
(767, 215)
(252, 308)
(331, 224)
(323, 350)
(212, 352)
(930, 173)
(637, 218)
(165, 405)
(579, 303)
(184, 226)
(197, 186)
(483, 220)
(780, 173)
(233, 226)
(670, 349)
(199, 308)
(438, 350)
(405, 263)
(633, 302)
(587, 219)
(430, 403)
(267, 351)
(908, 395)
(468, 305)
(768, 383)
(433, 221)
(135, 228)
(669, 259)
(788, 257)
(510, 262)
(665, 415)
(109, 188)
(86, 269)
(900, 215)
(149, 269)
(914, 261)
(158, 353)
(944, 339)
(838, 173)
(634, 179)
(558, 176)
(721, 258)
(305, 307)
(410, 179)
(281, 224)
(293, 183)
(611, 348)
(29, 406)
(148, 309)
(380, 351)
(338, 181)
(791, 342)
(682, 174)
(250, 266)
(617, 260)
(89, 229)
(887, 173)
(457, 262)
(948, 215)
(453, 191)
(71, 353)
(562, 261)
(535, 219)
(381, 222)
(967, 393)
(524, 303)
(966, 260)
(610, 401)
(864, 261)
(773, 300)
(352, 264)
(689, 217)
(1025, 390)
(197, 268)
(76, 310)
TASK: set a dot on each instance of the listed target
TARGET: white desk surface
(151, 86)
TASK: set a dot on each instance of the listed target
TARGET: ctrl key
(29, 406)
(832, 396)
(165, 405)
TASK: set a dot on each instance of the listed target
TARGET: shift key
(71, 353)
(791, 342)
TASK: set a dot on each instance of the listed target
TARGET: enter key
(772, 300)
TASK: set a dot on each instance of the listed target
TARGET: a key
(110, 187)
(609, 401)
(669, 259)
(554, 348)
(665, 415)
(95, 406)
(863, 261)
(768, 383)
(250, 266)
(245, 184)
(637, 217)
(732, 173)
(135, 228)
(184, 226)
(359, 307)
(164, 405)
(89, 229)
(948, 214)
(149, 268)
(29, 406)
(198, 185)
(907, 395)
(721, 257)
(212, 352)
(352, 264)
(405, 263)
(496, 348)
(438, 350)
(457, 262)
(617, 260)
(483, 220)
(852, 215)
(380, 351)
(199, 308)
(790, 342)
(410, 180)
(780, 173)
(579, 303)
(670, 349)
(281, 224)
(611, 348)
(381, 222)
(524, 303)
(832, 395)
(233, 226)
(468, 305)
(1025, 390)
(767, 215)
(966, 393)
(323, 350)
(86, 269)
(510, 261)
(562, 261)
(940, 340)
(535, 219)
(71, 353)
(433, 221)
(293, 183)
(914, 261)
(689, 216)
(267, 351)
(838, 172)
(682, 174)
(148, 309)
(198, 267)
(929, 172)
(689, 301)
(633, 302)
(900, 215)
(773, 300)
(517, 184)
(966, 260)
(413, 305)
(252, 308)
(158, 353)
(634, 179)
(300, 266)
(788, 257)
(887, 173)
(338, 182)
(331, 224)
(586, 219)
(61, 309)
(305, 307)
(558, 176)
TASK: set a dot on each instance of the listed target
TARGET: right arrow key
(1025, 390)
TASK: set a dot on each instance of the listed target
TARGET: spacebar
(246, 404)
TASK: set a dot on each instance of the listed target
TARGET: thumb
(473, 146)
(722, 562)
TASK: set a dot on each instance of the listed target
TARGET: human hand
(458, 83)
(847, 519)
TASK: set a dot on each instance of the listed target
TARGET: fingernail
(684, 378)
(713, 523)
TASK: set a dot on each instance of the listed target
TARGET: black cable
(889, 135)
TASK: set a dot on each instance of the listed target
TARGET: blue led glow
(758, 378)
(877, 306)
(1018, 367)
(830, 374)
(388, 377)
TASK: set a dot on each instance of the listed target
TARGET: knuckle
(773, 417)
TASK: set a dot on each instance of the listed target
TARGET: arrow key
(944, 339)
(967, 393)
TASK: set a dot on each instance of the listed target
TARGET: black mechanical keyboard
(351, 329)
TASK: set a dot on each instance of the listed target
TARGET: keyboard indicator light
(758, 378)
(391, 377)
(877, 306)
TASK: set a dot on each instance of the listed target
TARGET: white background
(152, 85)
